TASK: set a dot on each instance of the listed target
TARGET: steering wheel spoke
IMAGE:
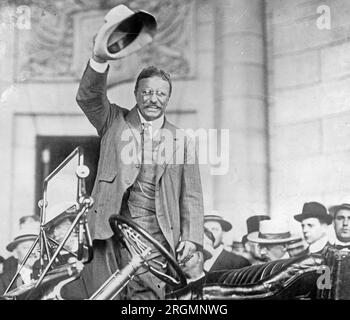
(136, 240)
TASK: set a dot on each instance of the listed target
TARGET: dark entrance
(51, 151)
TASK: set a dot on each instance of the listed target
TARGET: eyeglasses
(149, 93)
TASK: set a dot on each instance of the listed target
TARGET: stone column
(240, 106)
(7, 37)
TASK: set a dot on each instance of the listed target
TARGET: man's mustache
(150, 105)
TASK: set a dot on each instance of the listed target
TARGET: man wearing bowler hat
(314, 221)
(221, 259)
(341, 218)
(148, 170)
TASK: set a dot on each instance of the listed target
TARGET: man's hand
(184, 249)
(96, 58)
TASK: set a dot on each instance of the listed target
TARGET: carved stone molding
(58, 45)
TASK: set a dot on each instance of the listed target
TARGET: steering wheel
(132, 235)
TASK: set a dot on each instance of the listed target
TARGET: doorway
(52, 150)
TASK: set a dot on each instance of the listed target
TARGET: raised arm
(92, 99)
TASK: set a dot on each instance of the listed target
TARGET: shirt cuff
(98, 66)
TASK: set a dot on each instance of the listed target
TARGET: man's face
(272, 252)
(254, 249)
(216, 230)
(342, 225)
(313, 229)
(22, 249)
(152, 97)
(60, 232)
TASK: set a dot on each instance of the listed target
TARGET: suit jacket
(10, 269)
(229, 260)
(178, 198)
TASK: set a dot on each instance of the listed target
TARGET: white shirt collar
(341, 243)
(196, 278)
(155, 124)
(285, 256)
(26, 274)
(216, 252)
(318, 245)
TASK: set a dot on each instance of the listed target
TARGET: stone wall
(40, 68)
(309, 111)
(216, 53)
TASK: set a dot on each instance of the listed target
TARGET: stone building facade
(274, 73)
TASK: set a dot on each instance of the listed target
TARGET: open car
(314, 276)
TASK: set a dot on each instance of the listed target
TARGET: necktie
(146, 143)
(146, 128)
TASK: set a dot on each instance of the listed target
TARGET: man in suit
(341, 218)
(252, 248)
(273, 237)
(314, 221)
(158, 187)
(221, 259)
(19, 246)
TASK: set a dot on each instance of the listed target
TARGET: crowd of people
(271, 239)
(266, 240)
(148, 172)
(24, 256)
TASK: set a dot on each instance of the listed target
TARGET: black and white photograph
(193, 152)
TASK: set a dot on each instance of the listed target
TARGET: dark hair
(209, 234)
(152, 71)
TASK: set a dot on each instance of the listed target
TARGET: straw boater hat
(28, 233)
(272, 231)
(225, 225)
(314, 210)
(124, 32)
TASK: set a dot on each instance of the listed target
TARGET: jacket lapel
(134, 125)
(168, 141)
(167, 148)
